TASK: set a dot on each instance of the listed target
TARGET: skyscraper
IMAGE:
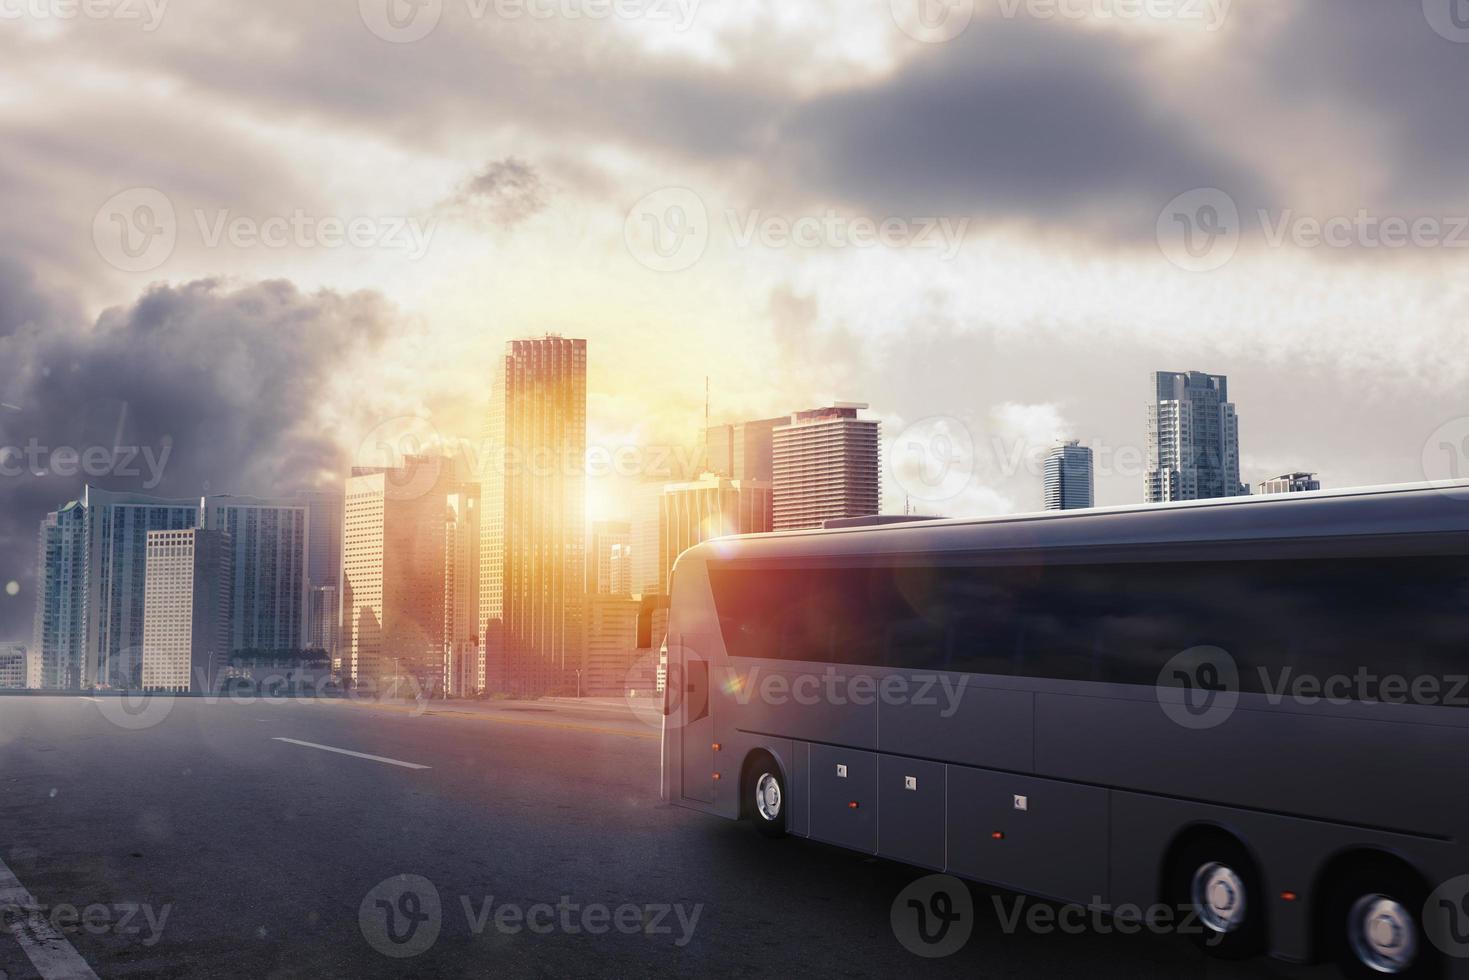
(826, 465)
(269, 539)
(1193, 438)
(116, 562)
(533, 517)
(394, 537)
(464, 671)
(186, 610)
(1069, 484)
(608, 540)
(743, 450)
(647, 517)
(612, 632)
(710, 507)
(60, 637)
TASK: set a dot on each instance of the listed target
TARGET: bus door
(696, 726)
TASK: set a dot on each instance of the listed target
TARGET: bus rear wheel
(765, 795)
(1374, 924)
(1214, 879)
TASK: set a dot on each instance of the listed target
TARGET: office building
(533, 518)
(743, 450)
(609, 541)
(324, 539)
(645, 551)
(186, 610)
(59, 639)
(20, 666)
(825, 466)
(323, 610)
(464, 669)
(1193, 438)
(611, 641)
(117, 526)
(393, 573)
(269, 539)
(1290, 483)
(1068, 481)
(710, 507)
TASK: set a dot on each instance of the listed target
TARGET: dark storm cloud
(216, 386)
(1400, 83)
(1014, 120)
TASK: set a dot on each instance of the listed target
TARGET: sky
(250, 243)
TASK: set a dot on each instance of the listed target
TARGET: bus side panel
(1356, 770)
(911, 810)
(798, 818)
(961, 720)
(844, 797)
(791, 701)
(1034, 835)
(1289, 852)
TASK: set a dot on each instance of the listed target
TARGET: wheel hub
(1219, 895)
(767, 797)
(1383, 933)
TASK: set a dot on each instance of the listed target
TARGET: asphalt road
(533, 844)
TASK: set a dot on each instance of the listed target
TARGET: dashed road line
(48, 950)
(355, 755)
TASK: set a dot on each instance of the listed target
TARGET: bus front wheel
(765, 795)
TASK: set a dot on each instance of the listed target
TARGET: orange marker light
(853, 805)
(716, 777)
(998, 835)
(1288, 896)
(716, 746)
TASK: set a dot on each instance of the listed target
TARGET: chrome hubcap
(1219, 895)
(767, 797)
(1383, 933)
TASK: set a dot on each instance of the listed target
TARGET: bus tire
(1214, 881)
(1374, 923)
(766, 800)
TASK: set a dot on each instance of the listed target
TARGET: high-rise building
(186, 610)
(743, 450)
(645, 551)
(1069, 484)
(269, 538)
(826, 465)
(612, 633)
(393, 561)
(323, 611)
(324, 542)
(1193, 438)
(20, 666)
(464, 669)
(60, 637)
(532, 555)
(117, 526)
(710, 507)
(608, 540)
(1291, 483)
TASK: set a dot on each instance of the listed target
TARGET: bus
(1250, 710)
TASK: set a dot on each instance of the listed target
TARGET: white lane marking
(355, 755)
(49, 951)
(85, 698)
